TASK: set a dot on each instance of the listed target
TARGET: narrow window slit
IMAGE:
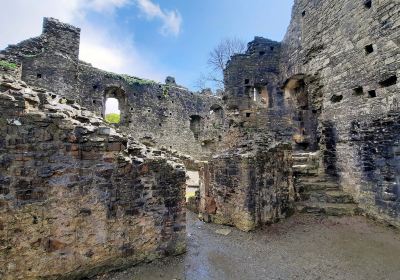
(371, 93)
(336, 98)
(358, 91)
(369, 49)
(391, 81)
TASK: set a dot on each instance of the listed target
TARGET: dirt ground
(301, 247)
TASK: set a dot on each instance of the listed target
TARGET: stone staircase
(317, 192)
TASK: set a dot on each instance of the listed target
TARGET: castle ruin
(310, 124)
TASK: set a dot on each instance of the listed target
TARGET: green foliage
(7, 64)
(113, 118)
(165, 91)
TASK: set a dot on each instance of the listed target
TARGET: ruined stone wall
(51, 59)
(248, 190)
(157, 114)
(77, 198)
(254, 90)
(351, 51)
(253, 76)
(160, 115)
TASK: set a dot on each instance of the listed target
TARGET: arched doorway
(195, 125)
(297, 100)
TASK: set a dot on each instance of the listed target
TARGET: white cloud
(109, 52)
(105, 5)
(99, 45)
(172, 20)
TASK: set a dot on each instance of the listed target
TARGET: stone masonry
(309, 124)
(160, 115)
(248, 190)
(77, 198)
(349, 51)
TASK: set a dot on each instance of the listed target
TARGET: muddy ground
(301, 247)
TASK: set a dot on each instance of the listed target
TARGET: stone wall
(351, 49)
(248, 190)
(77, 198)
(253, 76)
(267, 106)
(158, 114)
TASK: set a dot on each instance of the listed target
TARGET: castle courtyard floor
(301, 247)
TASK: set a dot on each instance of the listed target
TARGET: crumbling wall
(76, 198)
(157, 114)
(352, 50)
(253, 76)
(247, 190)
(256, 95)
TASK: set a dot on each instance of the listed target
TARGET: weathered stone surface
(157, 114)
(73, 201)
(349, 47)
(331, 85)
(314, 118)
(248, 190)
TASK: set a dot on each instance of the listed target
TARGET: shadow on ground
(301, 247)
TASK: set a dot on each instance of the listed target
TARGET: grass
(190, 193)
(113, 118)
(8, 65)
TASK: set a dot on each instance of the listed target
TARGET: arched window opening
(217, 111)
(216, 116)
(112, 113)
(295, 91)
(195, 125)
(115, 108)
(259, 94)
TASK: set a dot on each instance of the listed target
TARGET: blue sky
(150, 38)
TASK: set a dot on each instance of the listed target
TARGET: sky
(151, 39)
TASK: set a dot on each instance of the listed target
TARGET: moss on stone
(180, 248)
(166, 90)
(134, 80)
(8, 65)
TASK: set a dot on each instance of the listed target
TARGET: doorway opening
(115, 106)
(112, 113)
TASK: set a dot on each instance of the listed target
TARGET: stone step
(335, 196)
(330, 209)
(314, 179)
(305, 169)
(305, 154)
(300, 160)
(304, 187)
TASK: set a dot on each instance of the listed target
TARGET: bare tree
(222, 53)
(217, 61)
